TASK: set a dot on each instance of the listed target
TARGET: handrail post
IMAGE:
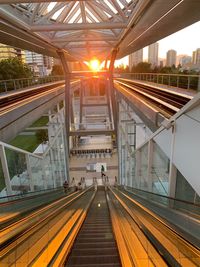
(67, 107)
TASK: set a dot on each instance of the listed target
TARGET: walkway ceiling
(92, 28)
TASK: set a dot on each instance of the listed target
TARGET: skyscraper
(41, 65)
(153, 54)
(135, 58)
(183, 60)
(196, 56)
(171, 58)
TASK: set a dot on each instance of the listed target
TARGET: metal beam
(78, 26)
(91, 132)
(32, 1)
(93, 46)
(81, 39)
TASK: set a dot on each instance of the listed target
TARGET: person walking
(102, 171)
(65, 186)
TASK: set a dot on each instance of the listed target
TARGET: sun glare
(94, 64)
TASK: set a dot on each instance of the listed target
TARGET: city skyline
(184, 42)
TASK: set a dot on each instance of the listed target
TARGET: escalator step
(94, 239)
(95, 265)
(94, 245)
(93, 259)
(96, 235)
(95, 251)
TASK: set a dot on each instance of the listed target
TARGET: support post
(67, 107)
(81, 105)
(5, 170)
(112, 93)
(28, 163)
(172, 168)
(149, 166)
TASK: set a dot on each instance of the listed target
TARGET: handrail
(150, 224)
(156, 194)
(64, 248)
(15, 84)
(184, 81)
(130, 243)
(164, 74)
(28, 228)
(27, 195)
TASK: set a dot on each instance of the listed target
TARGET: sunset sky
(184, 42)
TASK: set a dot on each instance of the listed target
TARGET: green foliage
(121, 68)
(41, 122)
(25, 142)
(142, 67)
(57, 70)
(42, 135)
(14, 68)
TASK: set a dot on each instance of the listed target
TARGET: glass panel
(143, 176)
(185, 192)
(132, 167)
(18, 171)
(37, 174)
(160, 171)
(2, 182)
(48, 169)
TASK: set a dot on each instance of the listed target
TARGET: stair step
(93, 239)
(93, 230)
(94, 259)
(94, 265)
(94, 251)
(94, 245)
(96, 235)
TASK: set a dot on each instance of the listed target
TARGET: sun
(94, 64)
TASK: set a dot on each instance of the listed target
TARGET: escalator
(95, 244)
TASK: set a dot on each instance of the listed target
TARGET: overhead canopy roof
(92, 28)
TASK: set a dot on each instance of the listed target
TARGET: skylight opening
(72, 20)
(51, 6)
(71, 13)
(55, 16)
(111, 6)
(120, 4)
(91, 14)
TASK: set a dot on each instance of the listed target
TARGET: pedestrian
(65, 186)
(102, 171)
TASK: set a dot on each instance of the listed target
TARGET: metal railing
(176, 80)
(15, 84)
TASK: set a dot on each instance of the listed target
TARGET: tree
(57, 70)
(142, 67)
(42, 136)
(14, 68)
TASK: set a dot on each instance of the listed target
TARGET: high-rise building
(153, 54)
(135, 58)
(41, 65)
(196, 56)
(183, 60)
(171, 58)
(7, 51)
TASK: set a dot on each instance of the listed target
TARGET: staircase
(95, 245)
